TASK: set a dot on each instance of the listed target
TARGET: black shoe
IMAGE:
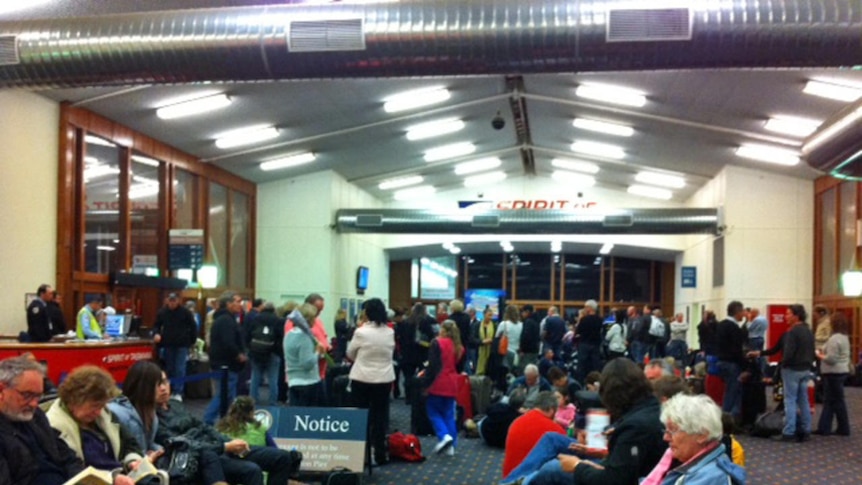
(821, 433)
(783, 437)
(803, 437)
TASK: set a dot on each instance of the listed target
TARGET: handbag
(180, 461)
(342, 476)
(503, 346)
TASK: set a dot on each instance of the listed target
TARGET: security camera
(498, 122)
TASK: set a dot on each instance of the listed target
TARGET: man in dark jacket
(38, 318)
(590, 333)
(553, 328)
(462, 320)
(175, 331)
(531, 337)
(730, 336)
(240, 462)
(31, 452)
(264, 338)
(226, 350)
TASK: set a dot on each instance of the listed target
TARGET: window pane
(631, 280)
(848, 225)
(533, 277)
(217, 246)
(237, 276)
(827, 238)
(438, 278)
(144, 206)
(485, 271)
(102, 212)
(583, 274)
(185, 200)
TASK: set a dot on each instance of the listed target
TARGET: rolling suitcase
(420, 425)
(480, 389)
(200, 388)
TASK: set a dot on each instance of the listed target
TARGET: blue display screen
(362, 278)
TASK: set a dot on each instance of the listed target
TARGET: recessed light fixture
(791, 125)
(484, 179)
(288, 161)
(556, 246)
(605, 127)
(598, 149)
(606, 248)
(769, 154)
(193, 106)
(145, 160)
(455, 250)
(611, 94)
(575, 180)
(576, 165)
(449, 151)
(400, 182)
(660, 179)
(434, 128)
(652, 192)
(507, 246)
(97, 140)
(414, 192)
(106, 248)
(834, 90)
(415, 99)
(447, 246)
(246, 136)
(478, 165)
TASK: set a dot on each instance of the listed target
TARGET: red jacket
(442, 372)
(524, 434)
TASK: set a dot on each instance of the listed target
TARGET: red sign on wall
(777, 316)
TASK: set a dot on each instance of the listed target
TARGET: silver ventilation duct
(426, 38)
(633, 221)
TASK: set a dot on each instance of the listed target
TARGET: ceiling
(690, 126)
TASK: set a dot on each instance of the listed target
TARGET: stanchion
(223, 392)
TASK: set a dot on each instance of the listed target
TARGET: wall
(298, 252)
(769, 246)
(29, 135)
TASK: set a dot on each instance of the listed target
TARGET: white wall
(29, 135)
(769, 249)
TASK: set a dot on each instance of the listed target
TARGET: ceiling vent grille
(486, 221)
(621, 220)
(649, 25)
(369, 220)
(9, 50)
(326, 35)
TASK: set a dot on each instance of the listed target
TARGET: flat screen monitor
(115, 325)
(362, 278)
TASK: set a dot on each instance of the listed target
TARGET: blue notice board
(689, 277)
(327, 437)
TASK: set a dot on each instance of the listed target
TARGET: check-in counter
(61, 357)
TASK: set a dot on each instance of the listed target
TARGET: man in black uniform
(38, 318)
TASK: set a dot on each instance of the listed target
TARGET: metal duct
(426, 38)
(634, 221)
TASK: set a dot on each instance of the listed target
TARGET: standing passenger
(441, 384)
(457, 315)
(835, 364)
(264, 339)
(511, 327)
(174, 331)
(730, 337)
(302, 358)
(226, 350)
(590, 331)
(678, 346)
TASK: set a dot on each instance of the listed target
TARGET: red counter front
(116, 357)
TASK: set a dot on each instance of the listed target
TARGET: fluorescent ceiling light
(603, 127)
(556, 246)
(447, 246)
(193, 107)
(143, 191)
(791, 125)
(652, 192)
(434, 128)
(106, 248)
(415, 99)
(576, 165)
(246, 136)
(611, 94)
(400, 182)
(96, 171)
(597, 261)
(484, 179)
(606, 248)
(851, 283)
(507, 246)
(479, 165)
(598, 149)
(288, 161)
(449, 151)
(414, 192)
(455, 250)
(660, 179)
(95, 140)
(830, 131)
(145, 160)
(833, 90)
(145, 180)
(575, 180)
(766, 153)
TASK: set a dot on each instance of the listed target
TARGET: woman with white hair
(695, 454)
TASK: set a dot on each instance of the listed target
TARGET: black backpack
(262, 339)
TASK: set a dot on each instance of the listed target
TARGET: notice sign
(326, 437)
(689, 277)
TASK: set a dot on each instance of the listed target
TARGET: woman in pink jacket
(441, 384)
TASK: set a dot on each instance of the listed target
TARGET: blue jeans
(796, 399)
(551, 473)
(175, 367)
(834, 404)
(213, 409)
(544, 451)
(729, 372)
(268, 369)
(441, 413)
(472, 360)
(639, 351)
(678, 349)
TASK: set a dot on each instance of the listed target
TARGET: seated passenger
(88, 428)
(494, 427)
(549, 361)
(695, 453)
(528, 428)
(31, 453)
(239, 423)
(565, 415)
(532, 383)
(241, 463)
(634, 437)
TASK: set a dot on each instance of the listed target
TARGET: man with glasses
(226, 350)
(31, 452)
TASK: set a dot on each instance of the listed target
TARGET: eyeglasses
(28, 396)
(672, 433)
